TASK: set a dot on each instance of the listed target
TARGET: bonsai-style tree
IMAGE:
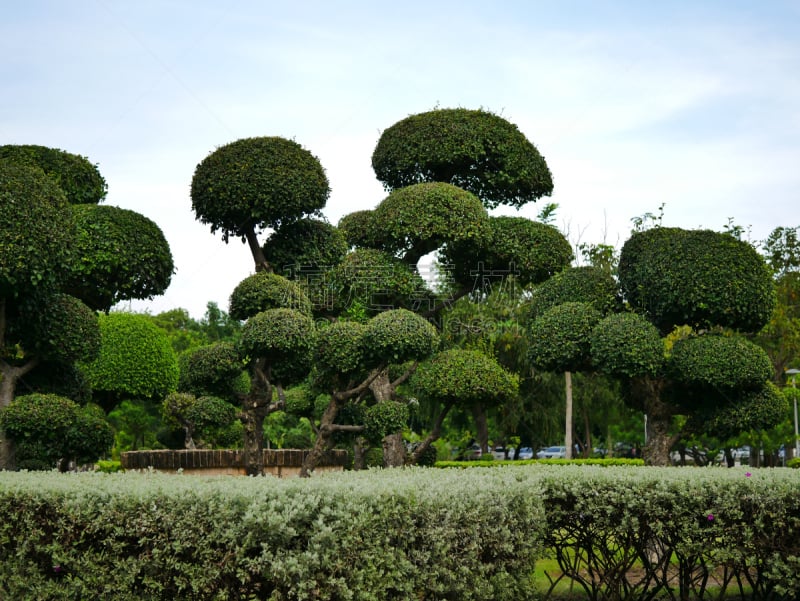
(473, 149)
(713, 283)
(199, 418)
(254, 184)
(460, 377)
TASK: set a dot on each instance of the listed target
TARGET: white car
(552, 453)
(525, 453)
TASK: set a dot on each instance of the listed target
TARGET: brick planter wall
(277, 462)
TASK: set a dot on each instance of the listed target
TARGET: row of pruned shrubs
(617, 532)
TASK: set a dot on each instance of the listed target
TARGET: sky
(682, 107)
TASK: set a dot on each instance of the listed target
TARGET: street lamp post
(793, 372)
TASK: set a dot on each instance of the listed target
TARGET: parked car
(503, 453)
(552, 453)
(525, 453)
(473, 452)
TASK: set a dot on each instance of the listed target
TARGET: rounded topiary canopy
(36, 230)
(265, 290)
(307, 244)
(472, 149)
(384, 418)
(257, 183)
(530, 250)
(340, 347)
(67, 331)
(627, 345)
(374, 280)
(359, 229)
(79, 179)
(123, 256)
(698, 278)
(420, 218)
(585, 284)
(720, 362)
(279, 336)
(464, 377)
(214, 369)
(136, 359)
(398, 335)
(558, 340)
(759, 409)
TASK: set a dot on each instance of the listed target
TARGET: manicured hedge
(399, 534)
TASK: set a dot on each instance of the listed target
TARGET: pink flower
(747, 475)
(710, 517)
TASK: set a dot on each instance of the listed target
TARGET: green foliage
(531, 251)
(48, 429)
(305, 244)
(371, 280)
(464, 377)
(135, 360)
(397, 336)
(263, 291)
(340, 348)
(755, 409)
(559, 338)
(468, 536)
(384, 418)
(472, 149)
(63, 379)
(75, 175)
(36, 230)
(586, 284)
(359, 229)
(257, 183)
(214, 369)
(123, 256)
(285, 338)
(66, 331)
(136, 426)
(418, 219)
(719, 363)
(699, 278)
(627, 345)
(782, 249)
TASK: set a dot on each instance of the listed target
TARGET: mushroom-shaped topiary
(559, 338)
(79, 179)
(214, 369)
(124, 255)
(756, 409)
(473, 149)
(256, 183)
(339, 349)
(384, 418)
(719, 363)
(532, 251)
(397, 336)
(626, 344)
(420, 218)
(698, 278)
(284, 338)
(266, 290)
(359, 229)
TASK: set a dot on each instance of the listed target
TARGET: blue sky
(693, 105)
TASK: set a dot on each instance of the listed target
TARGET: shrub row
(617, 532)
(400, 534)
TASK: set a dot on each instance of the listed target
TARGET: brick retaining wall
(277, 462)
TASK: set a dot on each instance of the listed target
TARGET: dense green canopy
(124, 255)
(397, 336)
(473, 149)
(265, 290)
(585, 284)
(257, 183)
(559, 338)
(626, 345)
(699, 278)
(306, 244)
(720, 363)
(79, 179)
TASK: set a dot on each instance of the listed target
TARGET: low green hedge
(397, 534)
(609, 462)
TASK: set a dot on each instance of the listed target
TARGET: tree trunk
(324, 435)
(481, 427)
(394, 451)
(568, 418)
(256, 250)
(9, 375)
(659, 419)
(360, 454)
(435, 432)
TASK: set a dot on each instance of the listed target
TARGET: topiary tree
(473, 149)
(199, 417)
(124, 256)
(79, 179)
(351, 361)
(52, 431)
(460, 377)
(136, 360)
(257, 183)
(306, 244)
